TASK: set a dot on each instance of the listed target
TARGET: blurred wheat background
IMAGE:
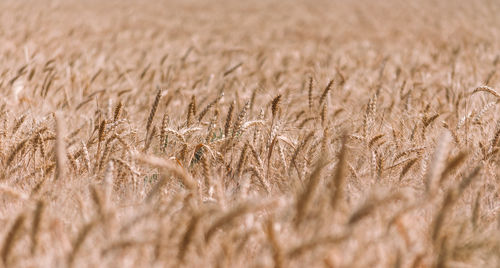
(250, 133)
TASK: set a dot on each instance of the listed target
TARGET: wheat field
(250, 134)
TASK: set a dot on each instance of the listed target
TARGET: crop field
(250, 133)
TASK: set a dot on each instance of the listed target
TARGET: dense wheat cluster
(250, 134)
